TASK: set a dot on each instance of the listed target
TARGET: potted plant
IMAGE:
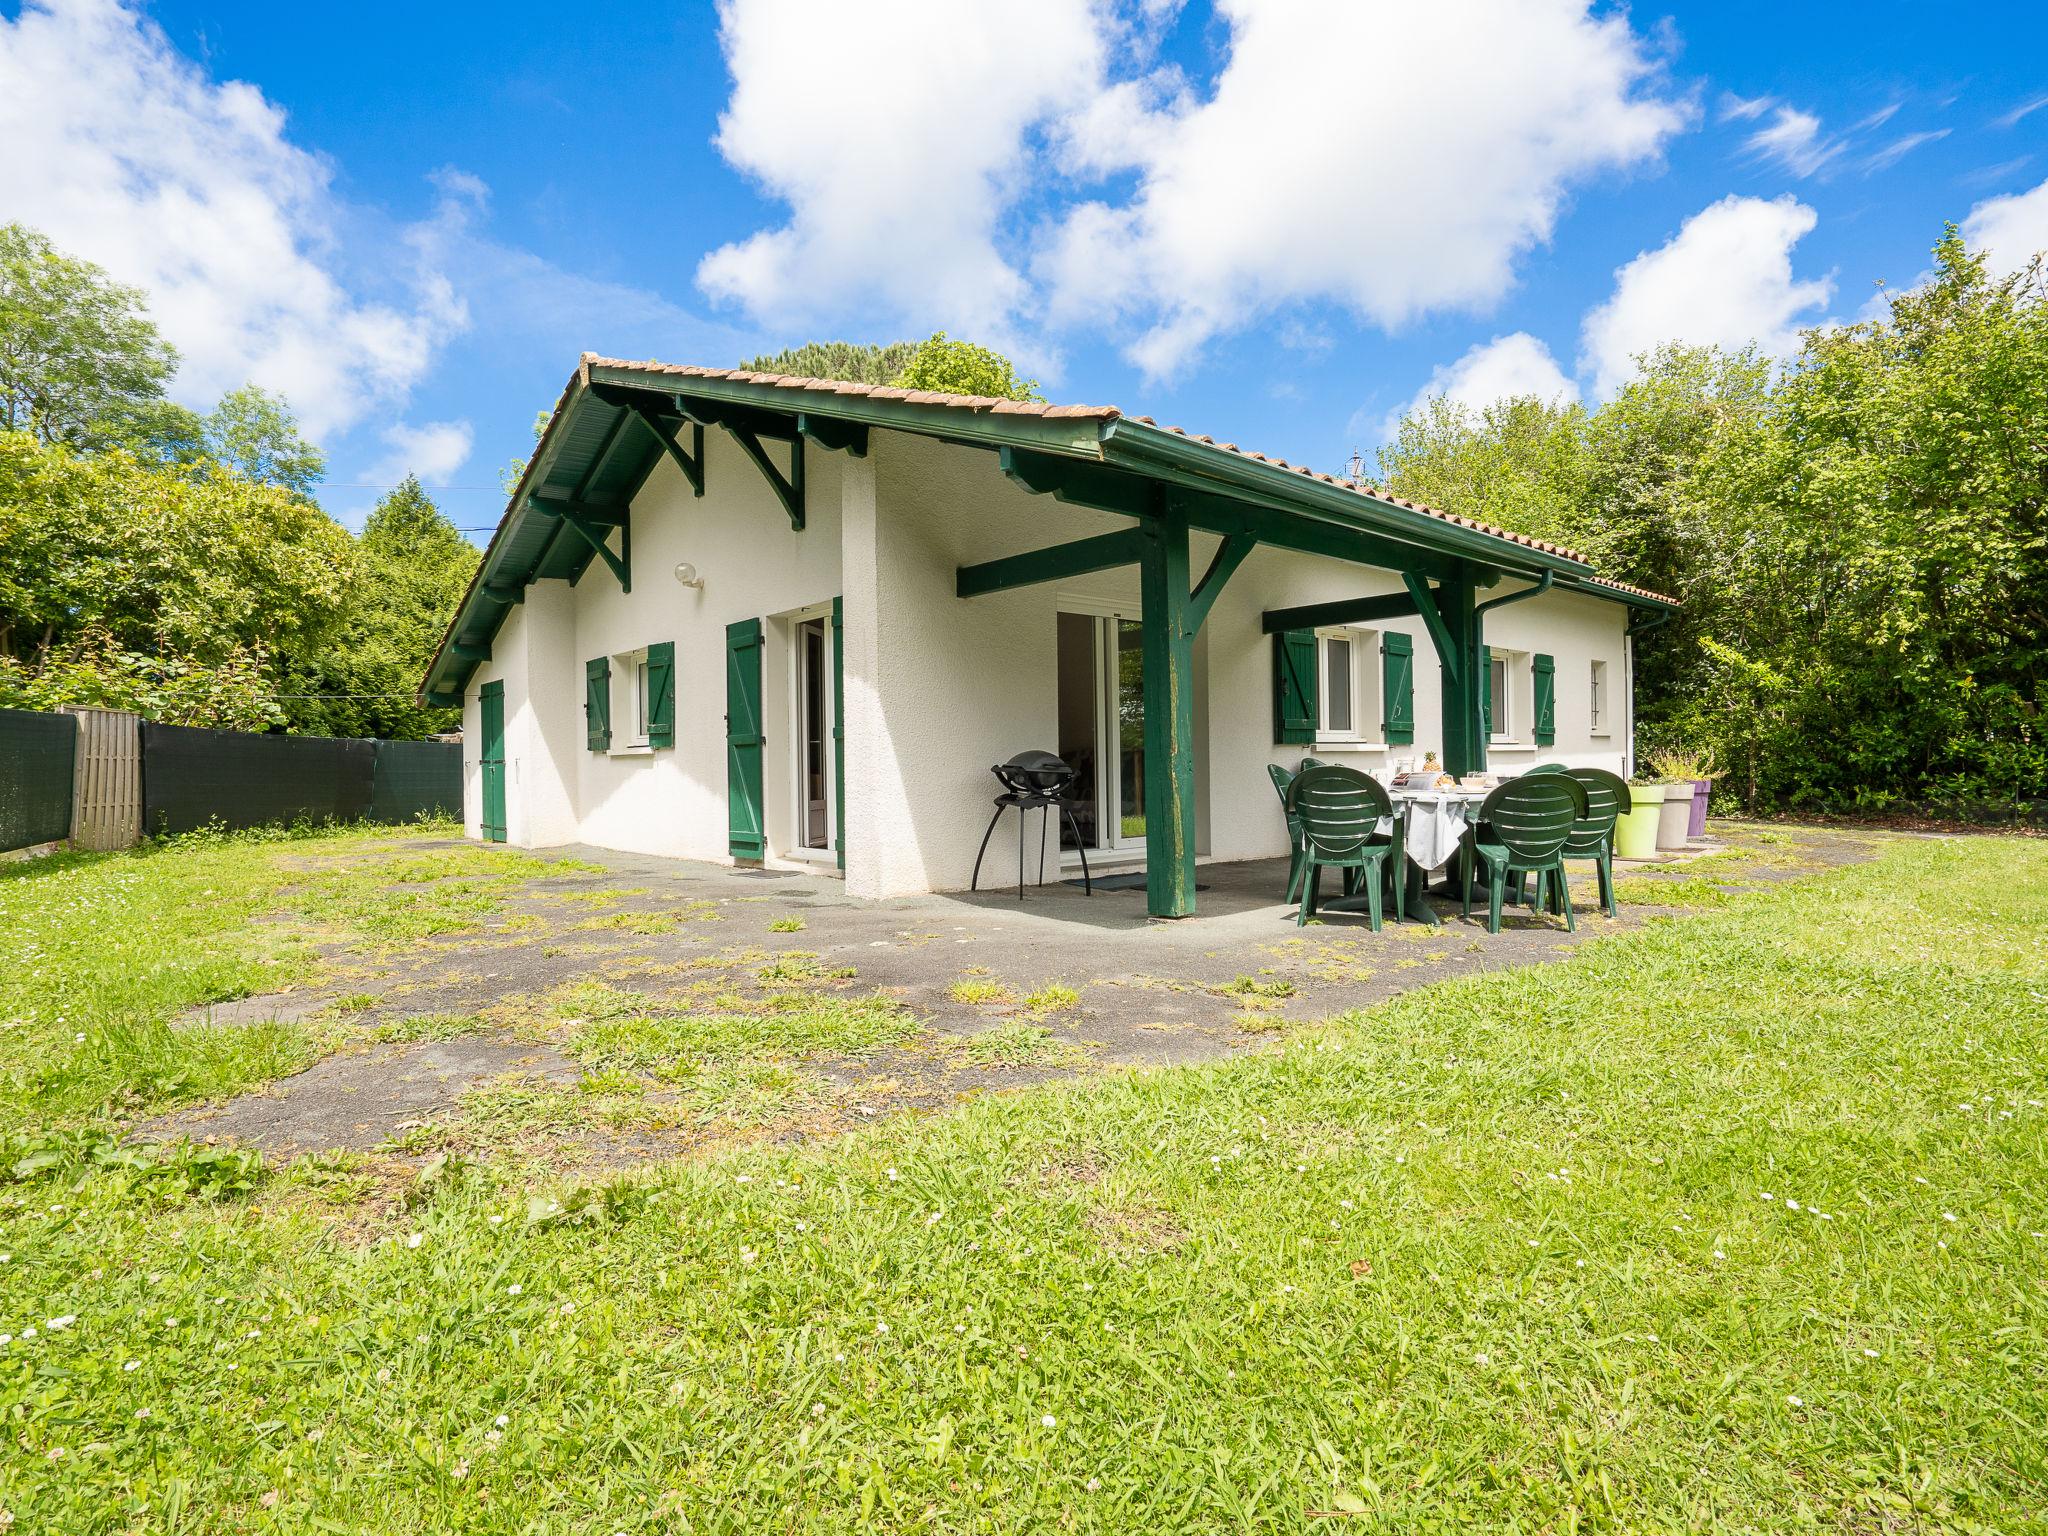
(1697, 772)
(1635, 830)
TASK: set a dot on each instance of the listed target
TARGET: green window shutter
(597, 704)
(1486, 696)
(661, 694)
(1397, 689)
(1544, 671)
(1295, 708)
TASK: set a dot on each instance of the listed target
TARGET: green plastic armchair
(1339, 811)
(1522, 828)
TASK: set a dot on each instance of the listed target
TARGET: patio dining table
(1433, 825)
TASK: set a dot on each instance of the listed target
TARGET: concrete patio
(425, 1023)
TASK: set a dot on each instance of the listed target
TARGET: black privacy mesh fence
(416, 778)
(193, 778)
(37, 755)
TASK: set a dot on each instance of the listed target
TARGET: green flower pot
(1635, 834)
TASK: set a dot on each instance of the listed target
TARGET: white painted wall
(937, 688)
(669, 801)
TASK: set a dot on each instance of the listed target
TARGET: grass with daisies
(1734, 1222)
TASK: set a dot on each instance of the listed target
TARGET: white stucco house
(740, 617)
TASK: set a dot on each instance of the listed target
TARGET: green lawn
(1732, 1223)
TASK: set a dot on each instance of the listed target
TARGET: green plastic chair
(1522, 828)
(1282, 779)
(1339, 811)
(1548, 768)
(1592, 837)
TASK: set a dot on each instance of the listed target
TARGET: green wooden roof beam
(585, 522)
(829, 432)
(1230, 554)
(1102, 553)
(1351, 610)
(691, 460)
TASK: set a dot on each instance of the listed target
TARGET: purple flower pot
(1700, 790)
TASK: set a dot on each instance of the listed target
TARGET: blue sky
(1278, 223)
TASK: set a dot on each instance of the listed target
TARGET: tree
(80, 362)
(253, 432)
(160, 588)
(963, 368)
(851, 361)
(1520, 463)
(1860, 540)
(414, 567)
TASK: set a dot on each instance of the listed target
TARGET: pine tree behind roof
(850, 361)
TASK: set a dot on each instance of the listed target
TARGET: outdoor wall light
(686, 573)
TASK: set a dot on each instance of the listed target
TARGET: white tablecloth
(1435, 822)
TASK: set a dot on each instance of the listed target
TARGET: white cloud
(1515, 364)
(2024, 110)
(433, 450)
(1901, 147)
(1725, 279)
(899, 136)
(1793, 140)
(124, 152)
(2009, 229)
(1394, 159)
(1743, 109)
(1444, 141)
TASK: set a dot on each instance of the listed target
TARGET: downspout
(1542, 586)
(1482, 659)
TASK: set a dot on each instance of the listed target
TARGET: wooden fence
(106, 798)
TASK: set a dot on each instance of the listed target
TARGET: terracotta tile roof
(1098, 413)
(1622, 586)
(990, 403)
(1364, 488)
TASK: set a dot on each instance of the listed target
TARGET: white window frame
(1598, 712)
(1513, 705)
(1368, 717)
(629, 703)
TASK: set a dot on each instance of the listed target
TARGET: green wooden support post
(1169, 692)
(1464, 671)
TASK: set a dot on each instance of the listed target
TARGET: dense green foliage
(412, 570)
(150, 587)
(963, 368)
(851, 361)
(1860, 539)
(1728, 1224)
(157, 560)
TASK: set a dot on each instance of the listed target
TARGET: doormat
(1124, 882)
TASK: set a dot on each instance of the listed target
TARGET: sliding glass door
(1102, 726)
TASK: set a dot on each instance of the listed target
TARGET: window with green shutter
(1294, 686)
(661, 694)
(1397, 689)
(1544, 671)
(597, 704)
